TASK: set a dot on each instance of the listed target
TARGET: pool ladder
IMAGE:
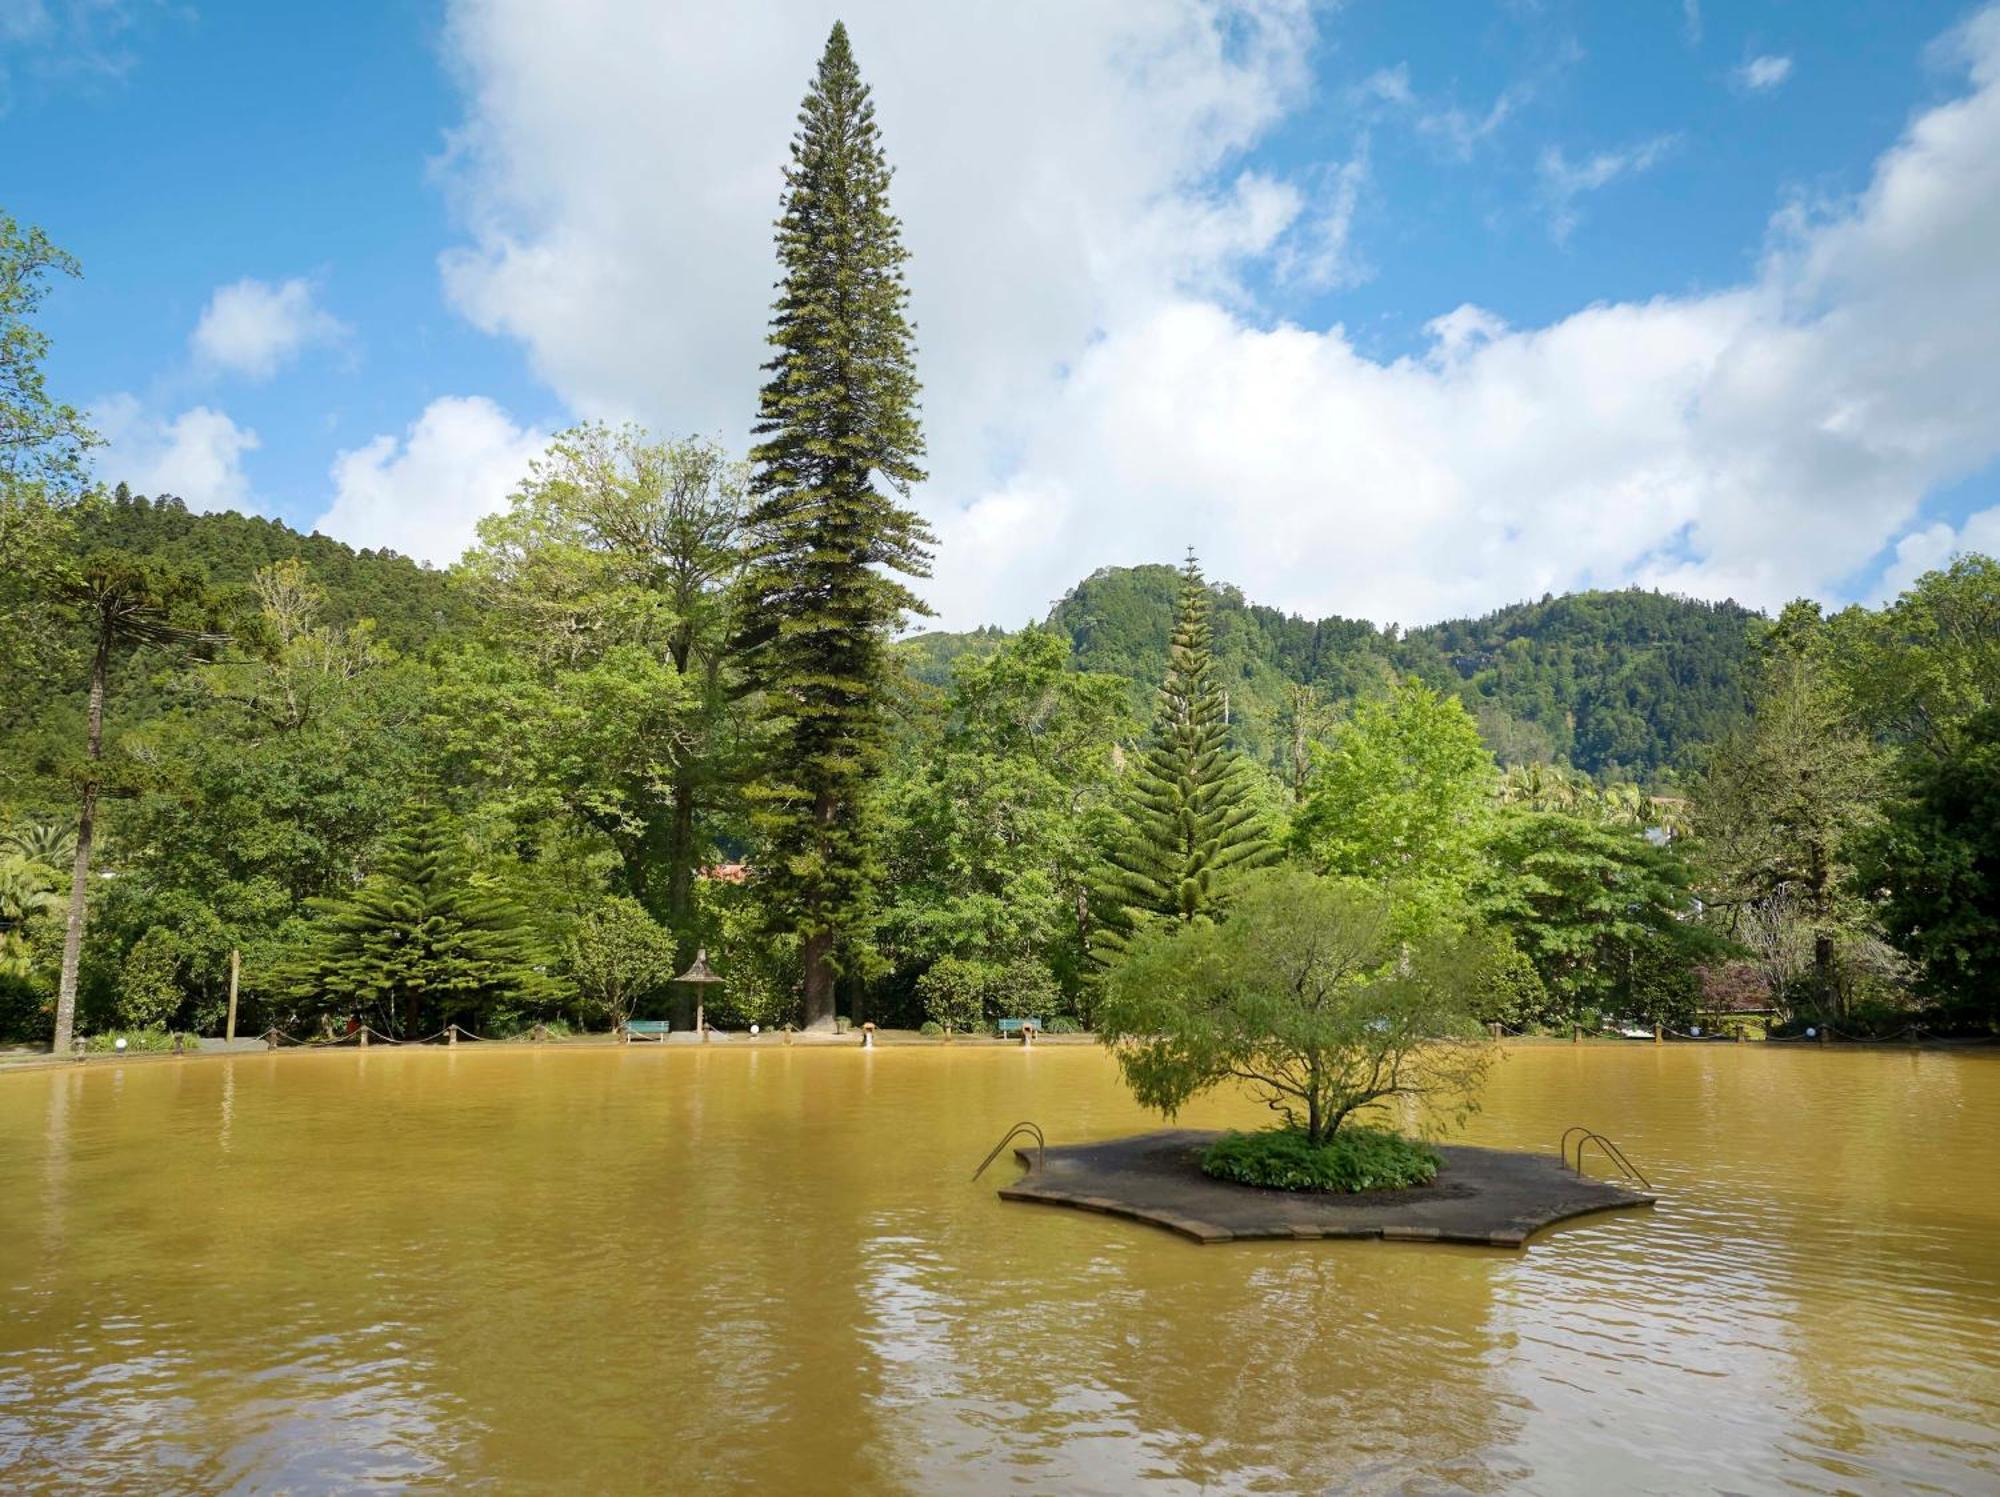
(1041, 1147)
(1587, 1136)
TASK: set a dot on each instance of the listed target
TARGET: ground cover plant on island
(1309, 993)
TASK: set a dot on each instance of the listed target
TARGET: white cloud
(423, 495)
(1935, 545)
(1762, 74)
(197, 455)
(1564, 181)
(1100, 386)
(254, 328)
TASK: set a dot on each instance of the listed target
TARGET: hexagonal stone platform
(1487, 1197)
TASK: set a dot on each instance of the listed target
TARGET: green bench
(647, 1029)
(1015, 1026)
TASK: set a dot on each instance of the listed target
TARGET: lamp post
(701, 976)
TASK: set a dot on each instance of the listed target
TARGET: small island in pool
(1488, 1197)
(1332, 1010)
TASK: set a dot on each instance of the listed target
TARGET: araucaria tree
(839, 445)
(1188, 801)
(422, 943)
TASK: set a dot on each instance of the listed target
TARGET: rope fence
(359, 1037)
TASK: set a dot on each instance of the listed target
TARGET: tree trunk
(86, 824)
(819, 981)
(680, 872)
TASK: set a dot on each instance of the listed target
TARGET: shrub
(930, 1026)
(1353, 1159)
(954, 993)
(1063, 1024)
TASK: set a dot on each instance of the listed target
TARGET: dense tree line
(661, 706)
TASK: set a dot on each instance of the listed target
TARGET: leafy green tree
(1591, 905)
(992, 810)
(609, 593)
(1400, 798)
(1188, 799)
(838, 413)
(43, 447)
(1305, 994)
(619, 956)
(1938, 859)
(1783, 801)
(423, 942)
(43, 443)
(1918, 671)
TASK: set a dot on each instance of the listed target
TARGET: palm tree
(27, 889)
(41, 842)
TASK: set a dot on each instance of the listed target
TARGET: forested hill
(1619, 684)
(408, 601)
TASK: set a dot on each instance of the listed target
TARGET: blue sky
(1179, 272)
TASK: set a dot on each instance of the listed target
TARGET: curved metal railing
(1585, 1137)
(1041, 1147)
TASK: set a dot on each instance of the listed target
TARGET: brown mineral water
(764, 1269)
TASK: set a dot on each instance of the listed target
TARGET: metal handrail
(1569, 1133)
(1041, 1147)
(1611, 1151)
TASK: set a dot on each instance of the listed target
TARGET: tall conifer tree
(1187, 801)
(839, 445)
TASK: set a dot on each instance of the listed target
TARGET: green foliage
(149, 990)
(1590, 905)
(1064, 1024)
(954, 993)
(1938, 859)
(1355, 1159)
(1622, 685)
(422, 943)
(138, 1041)
(43, 442)
(605, 681)
(1190, 818)
(822, 597)
(1512, 993)
(1400, 798)
(995, 810)
(618, 956)
(1783, 802)
(1306, 994)
(930, 1027)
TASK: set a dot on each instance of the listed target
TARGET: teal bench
(647, 1029)
(1015, 1026)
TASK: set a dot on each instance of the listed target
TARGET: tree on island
(1304, 994)
(839, 445)
(1188, 803)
